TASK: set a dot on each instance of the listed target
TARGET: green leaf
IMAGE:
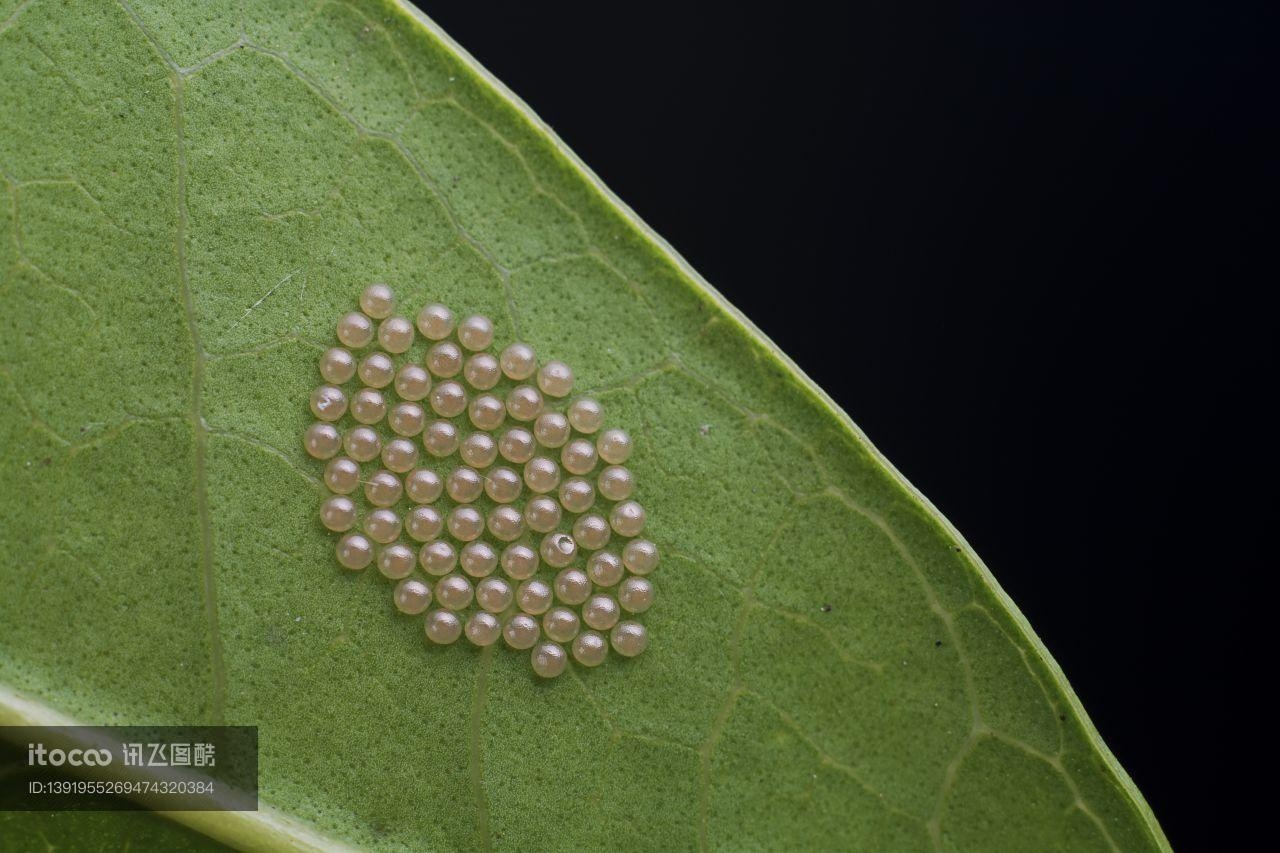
(193, 193)
(101, 831)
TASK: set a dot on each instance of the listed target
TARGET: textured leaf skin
(103, 831)
(194, 193)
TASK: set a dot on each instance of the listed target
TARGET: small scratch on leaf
(279, 284)
(13, 17)
(474, 751)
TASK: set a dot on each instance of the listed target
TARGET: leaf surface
(103, 831)
(194, 193)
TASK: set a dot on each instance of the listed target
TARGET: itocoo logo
(38, 755)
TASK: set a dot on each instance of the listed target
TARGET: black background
(1023, 246)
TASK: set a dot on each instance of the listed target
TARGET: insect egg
(548, 660)
(578, 456)
(464, 485)
(382, 526)
(424, 524)
(454, 592)
(407, 419)
(519, 361)
(521, 631)
(412, 597)
(338, 514)
(465, 523)
(494, 595)
(400, 455)
(542, 514)
(533, 597)
(590, 648)
(355, 330)
(483, 629)
(423, 485)
(629, 638)
(614, 446)
(534, 485)
(524, 403)
(558, 549)
(437, 558)
(604, 568)
(503, 485)
(519, 562)
(600, 612)
(591, 532)
(555, 379)
(448, 399)
(322, 441)
(541, 474)
(328, 403)
(395, 334)
(337, 365)
(572, 586)
(627, 518)
(482, 371)
(487, 412)
(577, 495)
(560, 624)
(377, 301)
(354, 552)
(443, 627)
(476, 332)
(376, 370)
(586, 415)
(440, 438)
(383, 489)
(517, 445)
(505, 523)
(396, 561)
(616, 483)
(635, 595)
(342, 476)
(412, 383)
(479, 450)
(478, 559)
(551, 429)
(368, 406)
(435, 321)
(362, 444)
(444, 360)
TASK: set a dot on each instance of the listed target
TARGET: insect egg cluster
(499, 504)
